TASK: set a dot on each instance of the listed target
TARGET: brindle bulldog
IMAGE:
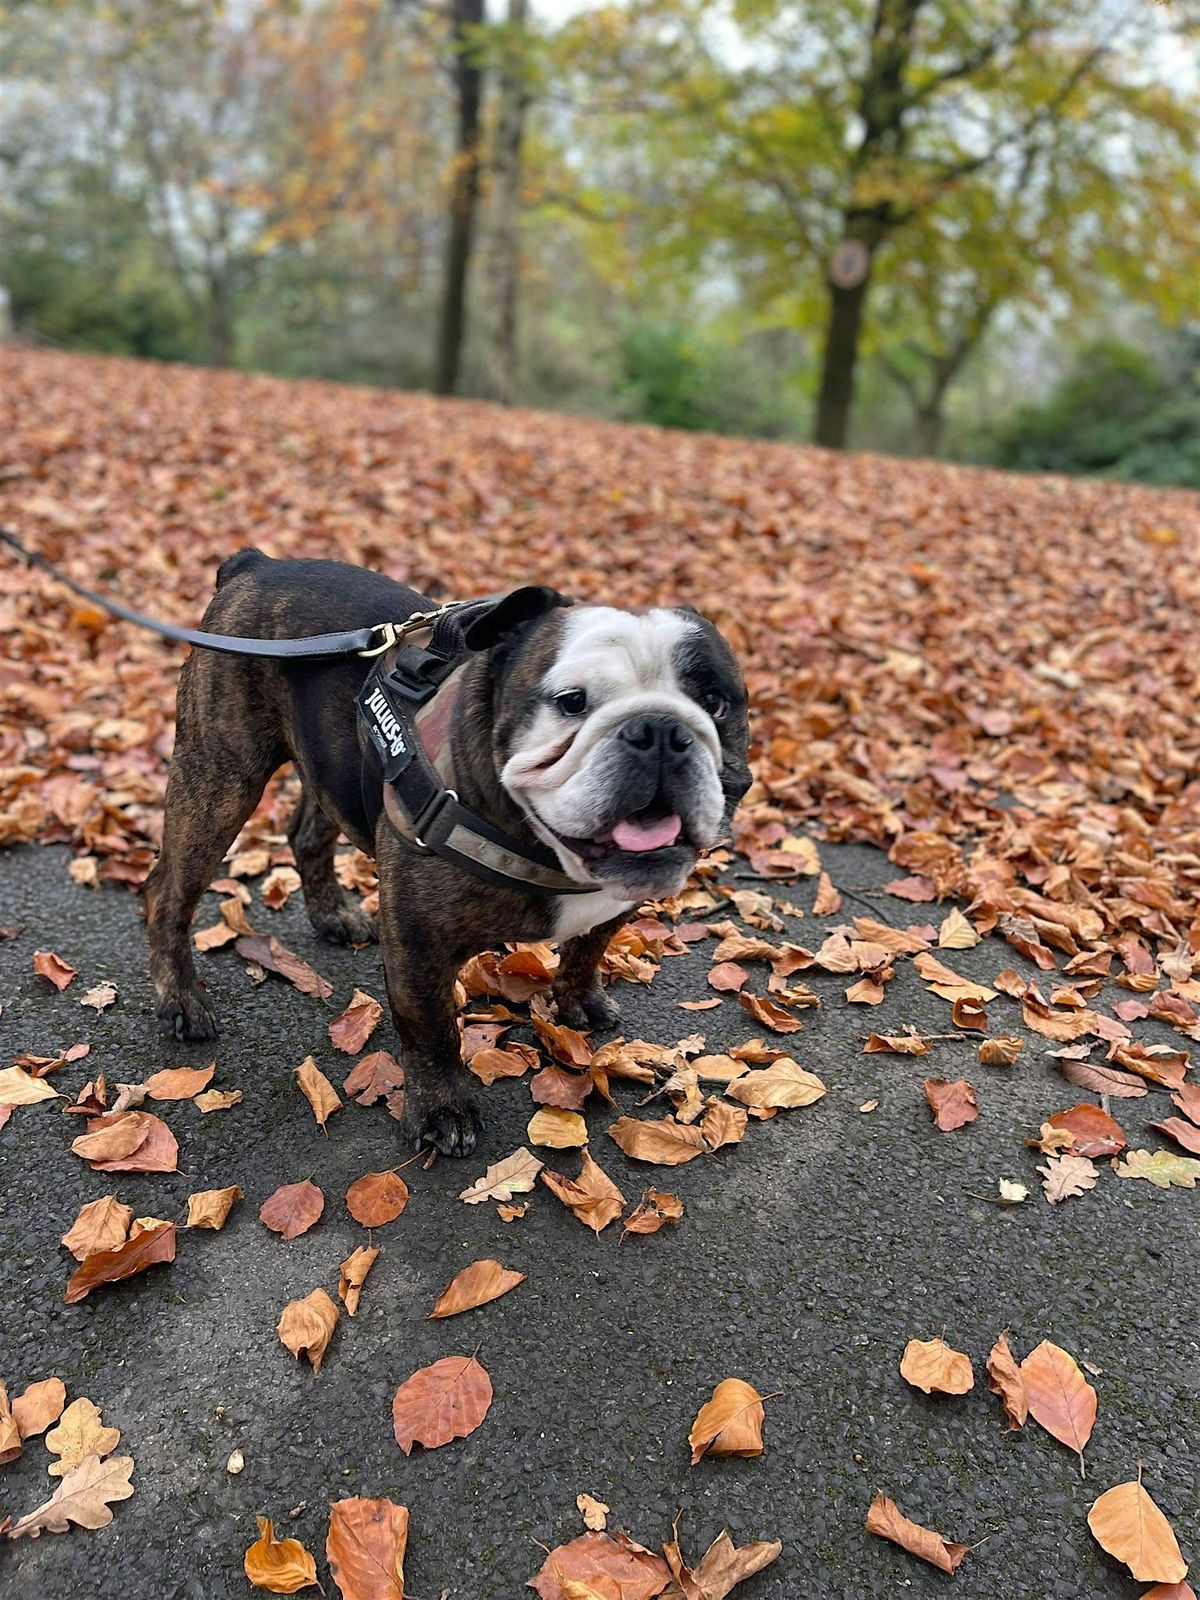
(611, 743)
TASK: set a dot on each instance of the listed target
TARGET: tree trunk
(842, 331)
(219, 336)
(927, 431)
(510, 133)
(466, 17)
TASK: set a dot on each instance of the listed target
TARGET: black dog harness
(403, 682)
(396, 701)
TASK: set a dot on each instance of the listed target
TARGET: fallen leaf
(652, 1211)
(956, 933)
(269, 953)
(721, 1069)
(953, 1104)
(281, 1565)
(53, 968)
(445, 1401)
(210, 1208)
(10, 1431)
(593, 1512)
(306, 1326)
(1187, 1100)
(1093, 1131)
(899, 1044)
(1004, 1379)
(931, 1365)
(101, 997)
(357, 1023)
(769, 1014)
(353, 1274)
(1183, 1133)
(567, 1045)
(377, 1198)
(37, 1406)
(101, 1225)
(722, 1567)
(149, 1247)
(722, 1123)
(628, 1569)
(1066, 1176)
(665, 1142)
(317, 1090)
(292, 1209)
(887, 1521)
(557, 1129)
(1163, 1169)
(377, 1076)
(475, 1285)
(279, 886)
(79, 1434)
(827, 901)
(217, 1100)
(83, 1497)
(783, 1084)
(516, 1174)
(365, 1548)
(727, 977)
(179, 1083)
(729, 1423)
(593, 1197)
(1012, 1194)
(1126, 1523)
(128, 1141)
(508, 1213)
(1061, 1400)
(1002, 1051)
(20, 1088)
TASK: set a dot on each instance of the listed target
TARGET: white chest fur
(577, 913)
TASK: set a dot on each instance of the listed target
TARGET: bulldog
(581, 758)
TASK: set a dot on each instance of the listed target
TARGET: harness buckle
(430, 816)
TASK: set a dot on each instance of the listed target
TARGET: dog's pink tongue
(633, 835)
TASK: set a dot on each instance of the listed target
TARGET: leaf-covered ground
(829, 1085)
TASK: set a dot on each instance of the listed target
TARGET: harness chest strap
(399, 716)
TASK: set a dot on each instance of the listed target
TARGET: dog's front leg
(420, 968)
(581, 1001)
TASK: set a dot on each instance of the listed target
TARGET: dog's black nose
(659, 733)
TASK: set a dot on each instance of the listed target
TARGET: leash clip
(388, 630)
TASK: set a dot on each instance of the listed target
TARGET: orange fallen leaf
(953, 1104)
(665, 1142)
(155, 1149)
(292, 1209)
(80, 1433)
(357, 1023)
(1004, 1379)
(769, 1014)
(148, 1248)
(722, 1123)
(557, 1129)
(475, 1285)
(558, 1086)
(365, 1548)
(898, 1044)
(281, 1565)
(1061, 1400)
(887, 1521)
(594, 1512)
(317, 1090)
(306, 1326)
(652, 1211)
(179, 1083)
(511, 1061)
(353, 1274)
(269, 953)
(727, 977)
(217, 1100)
(83, 1497)
(445, 1401)
(53, 968)
(1066, 1176)
(729, 1423)
(783, 1085)
(210, 1208)
(627, 1569)
(931, 1365)
(1127, 1524)
(10, 1430)
(1093, 1131)
(37, 1406)
(101, 1225)
(377, 1198)
(593, 1197)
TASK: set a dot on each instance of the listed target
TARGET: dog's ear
(509, 615)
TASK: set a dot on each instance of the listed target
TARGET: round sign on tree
(848, 264)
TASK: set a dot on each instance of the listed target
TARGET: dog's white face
(627, 743)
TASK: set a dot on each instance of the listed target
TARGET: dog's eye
(571, 702)
(715, 703)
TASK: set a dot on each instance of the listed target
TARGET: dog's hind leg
(210, 795)
(334, 914)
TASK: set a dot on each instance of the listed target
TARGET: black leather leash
(387, 705)
(356, 641)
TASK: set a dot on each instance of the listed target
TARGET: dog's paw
(188, 1015)
(344, 922)
(594, 1010)
(451, 1128)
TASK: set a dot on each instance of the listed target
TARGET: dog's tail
(238, 562)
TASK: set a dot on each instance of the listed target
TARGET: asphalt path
(806, 1258)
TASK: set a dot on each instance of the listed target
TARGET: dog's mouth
(642, 833)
